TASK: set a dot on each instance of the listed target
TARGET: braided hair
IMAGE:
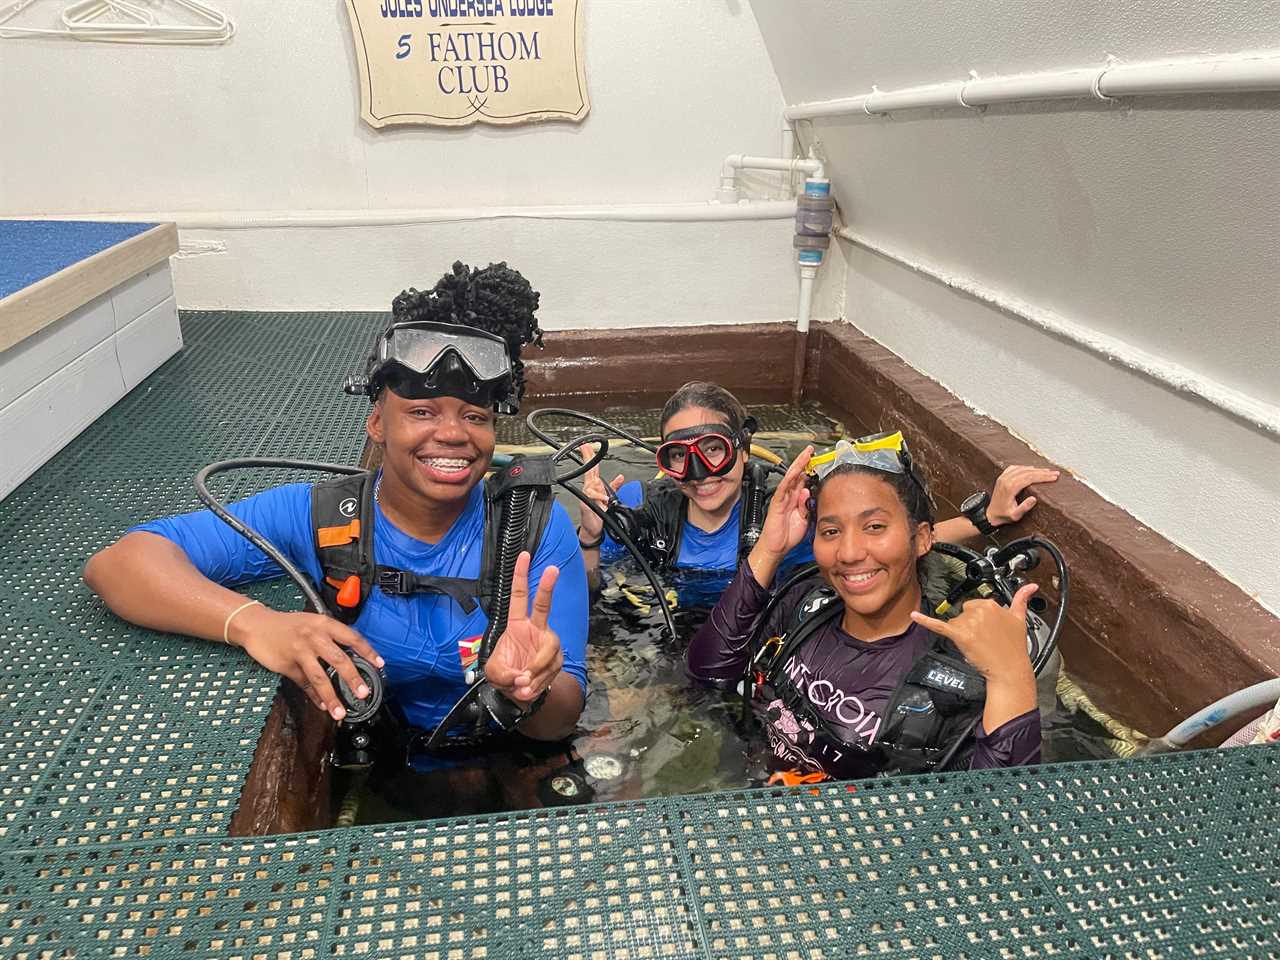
(495, 299)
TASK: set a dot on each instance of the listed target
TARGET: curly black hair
(495, 299)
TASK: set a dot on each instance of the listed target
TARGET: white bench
(87, 311)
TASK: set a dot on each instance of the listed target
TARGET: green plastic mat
(123, 754)
(118, 733)
(1167, 857)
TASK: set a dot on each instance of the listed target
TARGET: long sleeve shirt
(848, 683)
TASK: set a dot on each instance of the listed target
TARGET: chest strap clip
(402, 583)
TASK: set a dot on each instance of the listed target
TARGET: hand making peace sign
(589, 523)
(527, 657)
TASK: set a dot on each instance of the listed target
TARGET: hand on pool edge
(1004, 507)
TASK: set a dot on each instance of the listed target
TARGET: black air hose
(511, 542)
(753, 509)
(531, 423)
(253, 536)
(1004, 555)
(569, 450)
(1064, 597)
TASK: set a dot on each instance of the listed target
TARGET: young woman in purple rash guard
(852, 678)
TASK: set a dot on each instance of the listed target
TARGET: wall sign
(452, 63)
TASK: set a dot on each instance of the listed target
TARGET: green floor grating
(124, 751)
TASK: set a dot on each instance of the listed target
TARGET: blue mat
(31, 250)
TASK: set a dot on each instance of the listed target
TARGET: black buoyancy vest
(934, 707)
(518, 501)
(656, 527)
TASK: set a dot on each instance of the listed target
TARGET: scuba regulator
(353, 746)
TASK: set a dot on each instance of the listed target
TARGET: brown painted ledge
(645, 366)
(1154, 634)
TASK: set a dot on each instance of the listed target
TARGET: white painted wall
(271, 122)
(1153, 222)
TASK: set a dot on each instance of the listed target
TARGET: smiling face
(435, 450)
(867, 548)
(714, 494)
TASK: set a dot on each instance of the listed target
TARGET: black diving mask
(422, 359)
(697, 453)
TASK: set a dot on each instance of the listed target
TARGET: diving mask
(697, 453)
(882, 452)
(886, 452)
(422, 359)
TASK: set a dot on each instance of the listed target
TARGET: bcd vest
(518, 502)
(657, 526)
(930, 714)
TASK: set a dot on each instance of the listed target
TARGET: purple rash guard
(847, 681)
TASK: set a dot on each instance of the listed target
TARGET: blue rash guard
(699, 550)
(423, 638)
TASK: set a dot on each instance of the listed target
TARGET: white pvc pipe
(728, 192)
(808, 274)
(789, 150)
(1227, 75)
(619, 213)
(1255, 412)
(737, 161)
(1250, 698)
(1240, 73)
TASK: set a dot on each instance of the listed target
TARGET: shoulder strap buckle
(392, 581)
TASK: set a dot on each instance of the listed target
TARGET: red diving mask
(696, 453)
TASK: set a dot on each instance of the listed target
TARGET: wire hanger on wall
(125, 21)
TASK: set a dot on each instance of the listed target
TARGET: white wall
(1153, 222)
(271, 122)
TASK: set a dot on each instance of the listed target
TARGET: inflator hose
(511, 540)
(753, 510)
(569, 450)
(252, 535)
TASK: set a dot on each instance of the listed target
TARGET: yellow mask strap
(892, 441)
